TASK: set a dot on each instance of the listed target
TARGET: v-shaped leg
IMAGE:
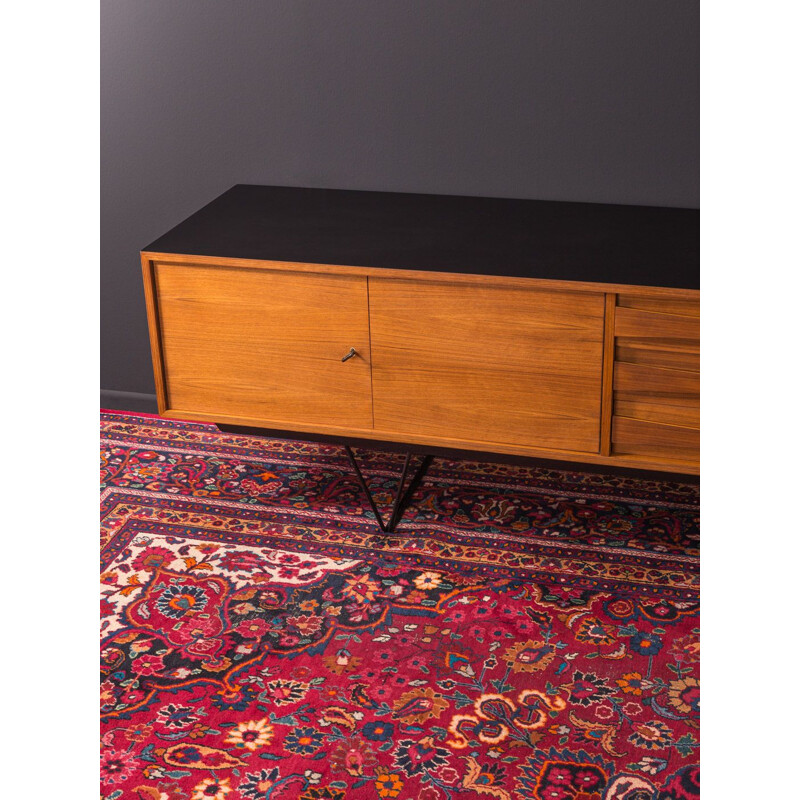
(401, 497)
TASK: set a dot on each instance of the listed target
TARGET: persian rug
(524, 633)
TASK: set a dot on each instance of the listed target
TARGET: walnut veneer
(536, 355)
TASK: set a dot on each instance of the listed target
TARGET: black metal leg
(349, 451)
(401, 503)
(401, 498)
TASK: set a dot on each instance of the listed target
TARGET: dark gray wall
(566, 100)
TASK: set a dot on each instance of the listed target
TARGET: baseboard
(128, 401)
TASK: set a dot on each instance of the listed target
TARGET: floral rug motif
(525, 633)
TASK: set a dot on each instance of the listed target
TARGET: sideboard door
(487, 364)
(264, 346)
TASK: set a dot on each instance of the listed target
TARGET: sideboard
(566, 331)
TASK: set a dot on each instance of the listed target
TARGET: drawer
(641, 380)
(680, 306)
(641, 324)
(682, 355)
(487, 363)
(264, 345)
(654, 439)
(671, 411)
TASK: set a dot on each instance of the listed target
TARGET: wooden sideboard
(564, 331)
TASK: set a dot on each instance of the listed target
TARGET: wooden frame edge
(607, 396)
(421, 275)
(154, 328)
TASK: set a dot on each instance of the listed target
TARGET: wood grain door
(264, 345)
(487, 364)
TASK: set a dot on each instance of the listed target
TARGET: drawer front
(655, 439)
(487, 364)
(657, 380)
(264, 345)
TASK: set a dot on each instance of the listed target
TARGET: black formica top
(638, 245)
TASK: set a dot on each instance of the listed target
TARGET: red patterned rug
(525, 633)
